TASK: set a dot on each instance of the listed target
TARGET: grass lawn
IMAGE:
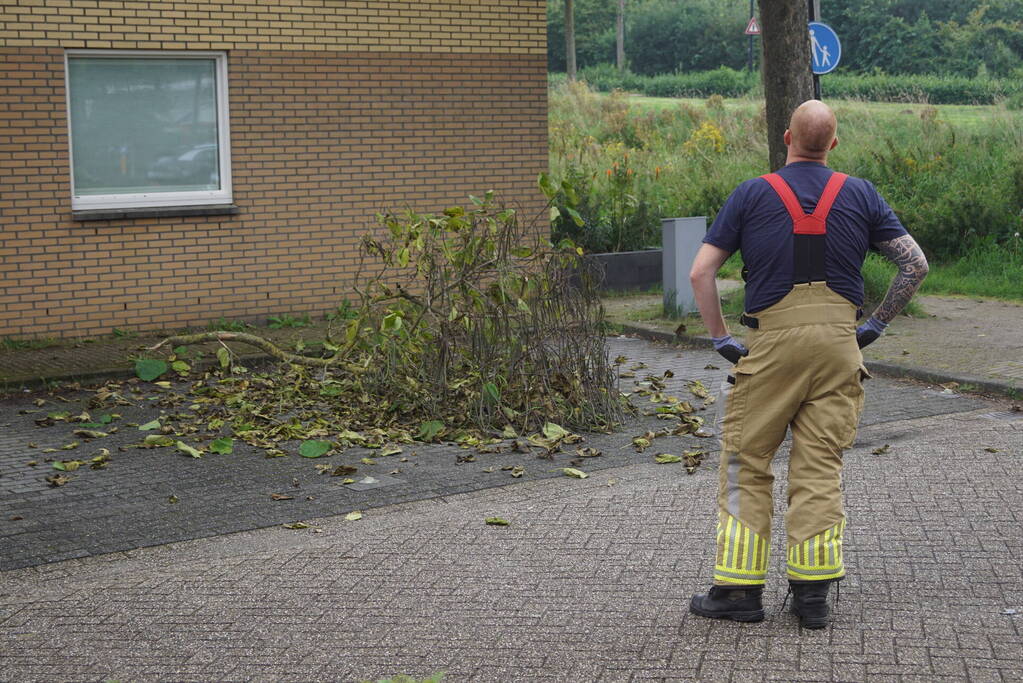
(966, 116)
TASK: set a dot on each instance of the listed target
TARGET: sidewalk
(975, 343)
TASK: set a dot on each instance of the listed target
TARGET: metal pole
(814, 9)
(749, 51)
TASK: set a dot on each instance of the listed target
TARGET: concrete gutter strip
(115, 372)
(985, 386)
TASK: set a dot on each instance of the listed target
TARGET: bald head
(812, 129)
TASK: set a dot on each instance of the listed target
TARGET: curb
(984, 386)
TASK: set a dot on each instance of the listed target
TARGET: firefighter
(803, 233)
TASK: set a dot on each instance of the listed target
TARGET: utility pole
(620, 36)
(749, 51)
(814, 11)
(570, 38)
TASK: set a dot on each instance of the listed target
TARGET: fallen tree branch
(243, 338)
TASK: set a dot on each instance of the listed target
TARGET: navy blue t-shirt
(755, 222)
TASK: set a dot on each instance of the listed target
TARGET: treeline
(965, 38)
(871, 87)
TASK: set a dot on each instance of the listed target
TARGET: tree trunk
(570, 39)
(788, 80)
(620, 36)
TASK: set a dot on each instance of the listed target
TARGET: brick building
(167, 163)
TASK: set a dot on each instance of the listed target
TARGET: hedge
(871, 87)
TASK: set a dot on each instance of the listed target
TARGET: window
(148, 129)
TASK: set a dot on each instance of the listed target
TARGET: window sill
(155, 212)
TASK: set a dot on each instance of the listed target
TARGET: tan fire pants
(804, 372)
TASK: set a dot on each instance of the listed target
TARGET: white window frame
(141, 200)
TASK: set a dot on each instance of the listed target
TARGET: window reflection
(143, 125)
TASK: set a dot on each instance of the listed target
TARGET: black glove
(869, 331)
(729, 348)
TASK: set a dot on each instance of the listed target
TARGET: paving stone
(590, 582)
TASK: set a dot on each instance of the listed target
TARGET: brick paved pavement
(590, 581)
(128, 504)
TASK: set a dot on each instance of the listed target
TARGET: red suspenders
(807, 223)
(809, 229)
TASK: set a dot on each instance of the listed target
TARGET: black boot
(810, 602)
(738, 603)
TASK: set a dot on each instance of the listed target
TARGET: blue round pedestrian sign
(825, 48)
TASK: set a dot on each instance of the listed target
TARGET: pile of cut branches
(466, 323)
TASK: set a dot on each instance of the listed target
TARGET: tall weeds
(953, 186)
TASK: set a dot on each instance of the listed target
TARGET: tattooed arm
(905, 253)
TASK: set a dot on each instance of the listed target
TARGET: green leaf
(497, 521)
(89, 433)
(58, 465)
(224, 356)
(667, 458)
(222, 446)
(576, 218)
(491, 393)
(353, 516)
(314, 448)
(570, 193)
(548, 189)
(555, 214)
(554, 432)
(296, 525)
(105, 419)
(180, 366)
(392, 322)
(148, 369)
(574, 473)
(188, 450)
(155, 424)
(158, 440)
(429, 431)
(347, 436)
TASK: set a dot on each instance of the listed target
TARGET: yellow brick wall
(324, 135)
(448, 26)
